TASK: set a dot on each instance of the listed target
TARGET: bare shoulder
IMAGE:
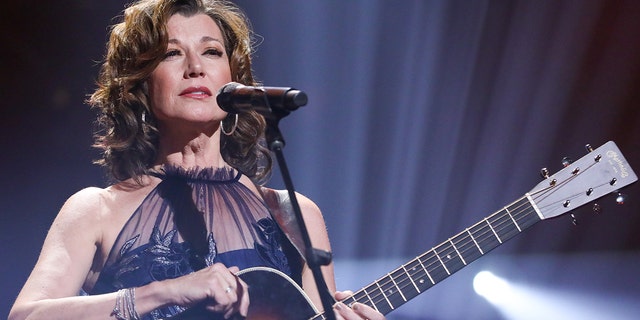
(310, 209)
(68, 249)
(94, 203)
(125, 197)
(97, 207)
(307, 205)
(78, 221)
(78, 240)
(94, 206)
(83, 207)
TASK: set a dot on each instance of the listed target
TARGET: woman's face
(182, 88)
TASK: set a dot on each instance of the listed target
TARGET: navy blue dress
(191, 220)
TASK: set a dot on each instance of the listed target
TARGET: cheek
(157, 88)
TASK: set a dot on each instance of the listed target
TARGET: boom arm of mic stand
(315, 258)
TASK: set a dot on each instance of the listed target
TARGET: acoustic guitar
(602, 171)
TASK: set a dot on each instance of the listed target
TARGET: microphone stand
(315, 257)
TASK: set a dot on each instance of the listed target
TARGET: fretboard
(435, 265)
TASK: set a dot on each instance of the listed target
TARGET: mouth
(196, 92)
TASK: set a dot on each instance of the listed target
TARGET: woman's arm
(64, 263)
(69, 250)
(320, 240)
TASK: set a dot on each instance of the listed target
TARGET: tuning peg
(574, 220)
(544, 172)
(588, 147)
(566, 161)
(621, 198)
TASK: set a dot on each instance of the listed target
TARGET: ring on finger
(228, 289)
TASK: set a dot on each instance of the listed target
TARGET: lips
(196, 92)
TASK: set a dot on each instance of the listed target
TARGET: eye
(172, 53)
(213, 52)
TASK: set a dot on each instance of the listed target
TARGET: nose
(193, 68)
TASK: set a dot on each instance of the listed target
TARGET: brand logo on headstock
(614, 158)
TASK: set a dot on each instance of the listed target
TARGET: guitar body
(274, 296)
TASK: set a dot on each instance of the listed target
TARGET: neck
(199, 149)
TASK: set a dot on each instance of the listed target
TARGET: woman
(186, 212)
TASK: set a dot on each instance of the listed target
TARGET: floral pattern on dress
(271, 251)
(150, 247)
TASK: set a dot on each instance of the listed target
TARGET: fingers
(241, 304)
(355, 310)
(341, 295)
(366, 312)
(228, 294)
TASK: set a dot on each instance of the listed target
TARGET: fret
(418, 275)
(391, 291)
(530, 214)
(352, 299)
(442, 263)
(512, 219)
(492, 230)
(458, 252)
(397, 287)
(411, 278)
(484, 236)
(384, 295)
(426, 271)
(474, 241)
(448, 253)
(466, 247)
(371, 303)
(436, 267)
(503, 225)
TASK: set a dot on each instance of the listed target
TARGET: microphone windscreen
(225, 97)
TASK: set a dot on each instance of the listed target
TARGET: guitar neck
(600, 172)
(437, 264)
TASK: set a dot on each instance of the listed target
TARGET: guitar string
(509, 217)
(515, 216)
(379, 296)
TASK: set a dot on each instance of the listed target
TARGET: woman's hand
(356, 311)
(216, 287)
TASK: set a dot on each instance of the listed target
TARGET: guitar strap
(279, 204)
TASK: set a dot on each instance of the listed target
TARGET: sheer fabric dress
(191, 220)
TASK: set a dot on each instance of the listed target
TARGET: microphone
(234, 97)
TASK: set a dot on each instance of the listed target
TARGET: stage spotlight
(491, 287)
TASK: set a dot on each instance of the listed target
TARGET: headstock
(600, 172)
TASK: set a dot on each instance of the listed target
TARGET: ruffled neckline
(198, 174)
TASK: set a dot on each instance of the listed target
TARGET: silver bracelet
(125, 308)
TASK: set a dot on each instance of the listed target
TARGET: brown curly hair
(128, 136)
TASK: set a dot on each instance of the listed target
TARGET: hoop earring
(143, 122)
(235, 126)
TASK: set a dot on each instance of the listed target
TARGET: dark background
(424, 117)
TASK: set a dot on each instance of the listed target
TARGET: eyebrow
(204, 39)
